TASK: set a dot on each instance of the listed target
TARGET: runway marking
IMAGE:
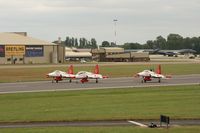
(137, 123)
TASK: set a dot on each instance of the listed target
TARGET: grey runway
(125, 82)
(96, 123)
(65, 124)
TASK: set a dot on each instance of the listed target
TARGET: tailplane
(96, 70)
(158, 69)
(70, 70)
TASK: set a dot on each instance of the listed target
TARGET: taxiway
(125, 82)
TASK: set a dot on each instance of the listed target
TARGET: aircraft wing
(84, 76)
(81, 75)
(66, 75)
(144, 73)
(155, 75)
(147, 73)
(88, 75)
(56, 73)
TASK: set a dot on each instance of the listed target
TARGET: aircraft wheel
(159, 80)
(70, 80)
(96, 81)
(145, 81)
(56, 81)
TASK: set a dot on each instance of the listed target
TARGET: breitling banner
(14, 50)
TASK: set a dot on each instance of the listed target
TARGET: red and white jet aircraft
(58, 75)
(148, 75)
(85, 76)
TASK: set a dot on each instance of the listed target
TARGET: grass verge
(126, 103)
(35, 74)
(192, 129)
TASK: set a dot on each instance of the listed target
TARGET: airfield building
(74, 54)
(116, 54)
(18, 48)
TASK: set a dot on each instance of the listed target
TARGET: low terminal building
(128, 57)
(74, 54)
(116, 54)
(18, 48)
(100, 54)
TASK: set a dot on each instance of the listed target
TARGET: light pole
(115, 30)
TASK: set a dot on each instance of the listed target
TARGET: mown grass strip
(133, 103)
(129, 129)
(35, 73)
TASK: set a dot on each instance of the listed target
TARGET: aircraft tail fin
(158, 69)
(96, 70)
(70, 70)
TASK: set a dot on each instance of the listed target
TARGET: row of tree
(173, 42)
(84, 43)
(78, 43)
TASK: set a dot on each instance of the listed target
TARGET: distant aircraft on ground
(85, 76)
(183, 51)
(167, 53)
(148, 75)
(164, 52)
(58, 75)
(150, 51)
(176, 52)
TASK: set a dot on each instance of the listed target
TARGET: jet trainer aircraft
(58, 75)
(85, 76)
(148, 75)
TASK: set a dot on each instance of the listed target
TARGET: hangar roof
(113, 49)
(78, 54)
(16, 39)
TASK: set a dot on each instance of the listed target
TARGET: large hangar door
(54, 55)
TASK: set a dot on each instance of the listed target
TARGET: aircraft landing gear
(84, 80)
(70, 80)
(159, 80)
(143, 81)
(97, 81)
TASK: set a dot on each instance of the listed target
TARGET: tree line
(78, 43)
(172, 42)
(84, 43)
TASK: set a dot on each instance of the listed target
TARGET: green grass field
(133, 103)
(193, 129)
(34, 74)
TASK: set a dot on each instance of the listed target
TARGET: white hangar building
(18, 48)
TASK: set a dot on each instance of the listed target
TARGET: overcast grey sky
(138, 20)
